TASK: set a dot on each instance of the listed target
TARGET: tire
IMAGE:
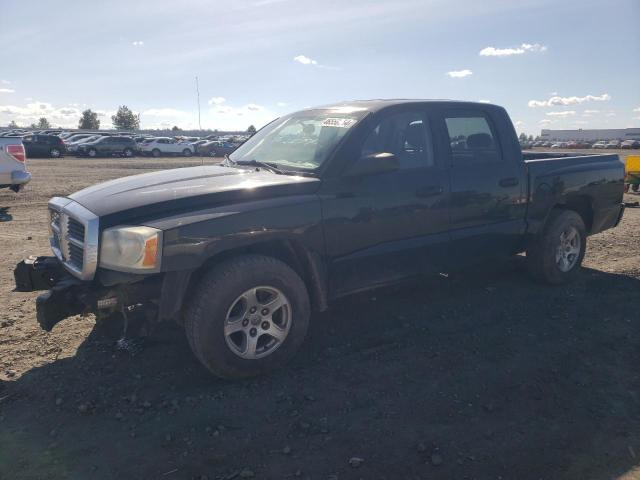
(635, 187)
(213, 153)
(127, 152)
(186, 152)
(221, 296)
(55, 153)
(155, 152)
(546, 261)
(92, 152)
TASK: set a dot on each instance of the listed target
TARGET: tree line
(124, 119)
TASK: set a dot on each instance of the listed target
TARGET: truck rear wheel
(556, 255)
(248, 316)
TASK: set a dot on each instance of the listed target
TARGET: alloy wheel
(258, 322)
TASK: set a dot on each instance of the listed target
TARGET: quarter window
(472, 140)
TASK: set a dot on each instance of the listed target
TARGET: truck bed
(590, 183)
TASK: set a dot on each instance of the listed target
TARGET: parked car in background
(108, 146)
(76, 136)
(13, 169)
(43, 146)
(197, 143)
(217, 148)
(600, 144)
(166, 146)
(72, 147)
(578, 144)
(630, 144)
(560, 145)
(612, 144)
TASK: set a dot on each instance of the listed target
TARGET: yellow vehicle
(632, 173)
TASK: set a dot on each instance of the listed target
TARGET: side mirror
(374, 163)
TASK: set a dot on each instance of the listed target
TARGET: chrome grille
(74, 237)
(75, 229)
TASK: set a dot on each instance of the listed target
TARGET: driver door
(393, 225)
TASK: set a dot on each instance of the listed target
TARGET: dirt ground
(480, 375)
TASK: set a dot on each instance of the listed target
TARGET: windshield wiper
(256, 163)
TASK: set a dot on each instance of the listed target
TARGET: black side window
(406, 135)
(472, 140)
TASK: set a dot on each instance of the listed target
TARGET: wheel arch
(581, 204)
(307, 264)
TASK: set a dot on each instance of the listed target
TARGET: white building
(591, 135)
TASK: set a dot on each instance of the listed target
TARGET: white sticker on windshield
(338, 122)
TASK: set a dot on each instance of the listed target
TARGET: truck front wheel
(248, 316)
(556, 255)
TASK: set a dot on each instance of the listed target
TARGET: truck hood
(166, 192)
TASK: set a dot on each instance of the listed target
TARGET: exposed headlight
(131, 249)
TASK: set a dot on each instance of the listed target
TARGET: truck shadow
(479, 375)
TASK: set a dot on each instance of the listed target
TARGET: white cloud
(580, 122)
(610, 114)
(553, 101)
(460, 73)
(637, 110)
(304, 60)
(519, 123)
(484, 101)
(546, 121)
(566, 113)
(506, 52)
(5, 82)
(229, 117)
(66, 116)
(281, 104)
(165, 112)
(217, 100)
(138, 43)
(591, 111)
(6, 90)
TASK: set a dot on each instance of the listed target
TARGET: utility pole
(198, 96)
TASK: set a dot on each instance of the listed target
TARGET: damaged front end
(65, 295)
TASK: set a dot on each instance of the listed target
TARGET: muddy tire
(247, 316)
(555, 256)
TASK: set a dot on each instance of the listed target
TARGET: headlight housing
(131, 249)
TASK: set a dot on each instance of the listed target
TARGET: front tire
(155, 152)
(92, 152)
(247, 316)
(55, 153)
(556, 255)
(186, 152)
(128, 152)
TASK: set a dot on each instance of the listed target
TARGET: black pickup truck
(316, 205)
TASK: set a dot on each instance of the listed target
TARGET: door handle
(429, 191)
(509, 182)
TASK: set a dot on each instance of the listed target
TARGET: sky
(550, 63)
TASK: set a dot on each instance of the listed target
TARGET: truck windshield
(300, 141)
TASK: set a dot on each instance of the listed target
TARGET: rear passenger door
(487, 186)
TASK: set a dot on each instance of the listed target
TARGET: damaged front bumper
(65, 295)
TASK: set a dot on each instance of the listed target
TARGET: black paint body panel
(366, 231)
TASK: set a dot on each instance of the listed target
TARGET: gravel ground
(482, 374)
